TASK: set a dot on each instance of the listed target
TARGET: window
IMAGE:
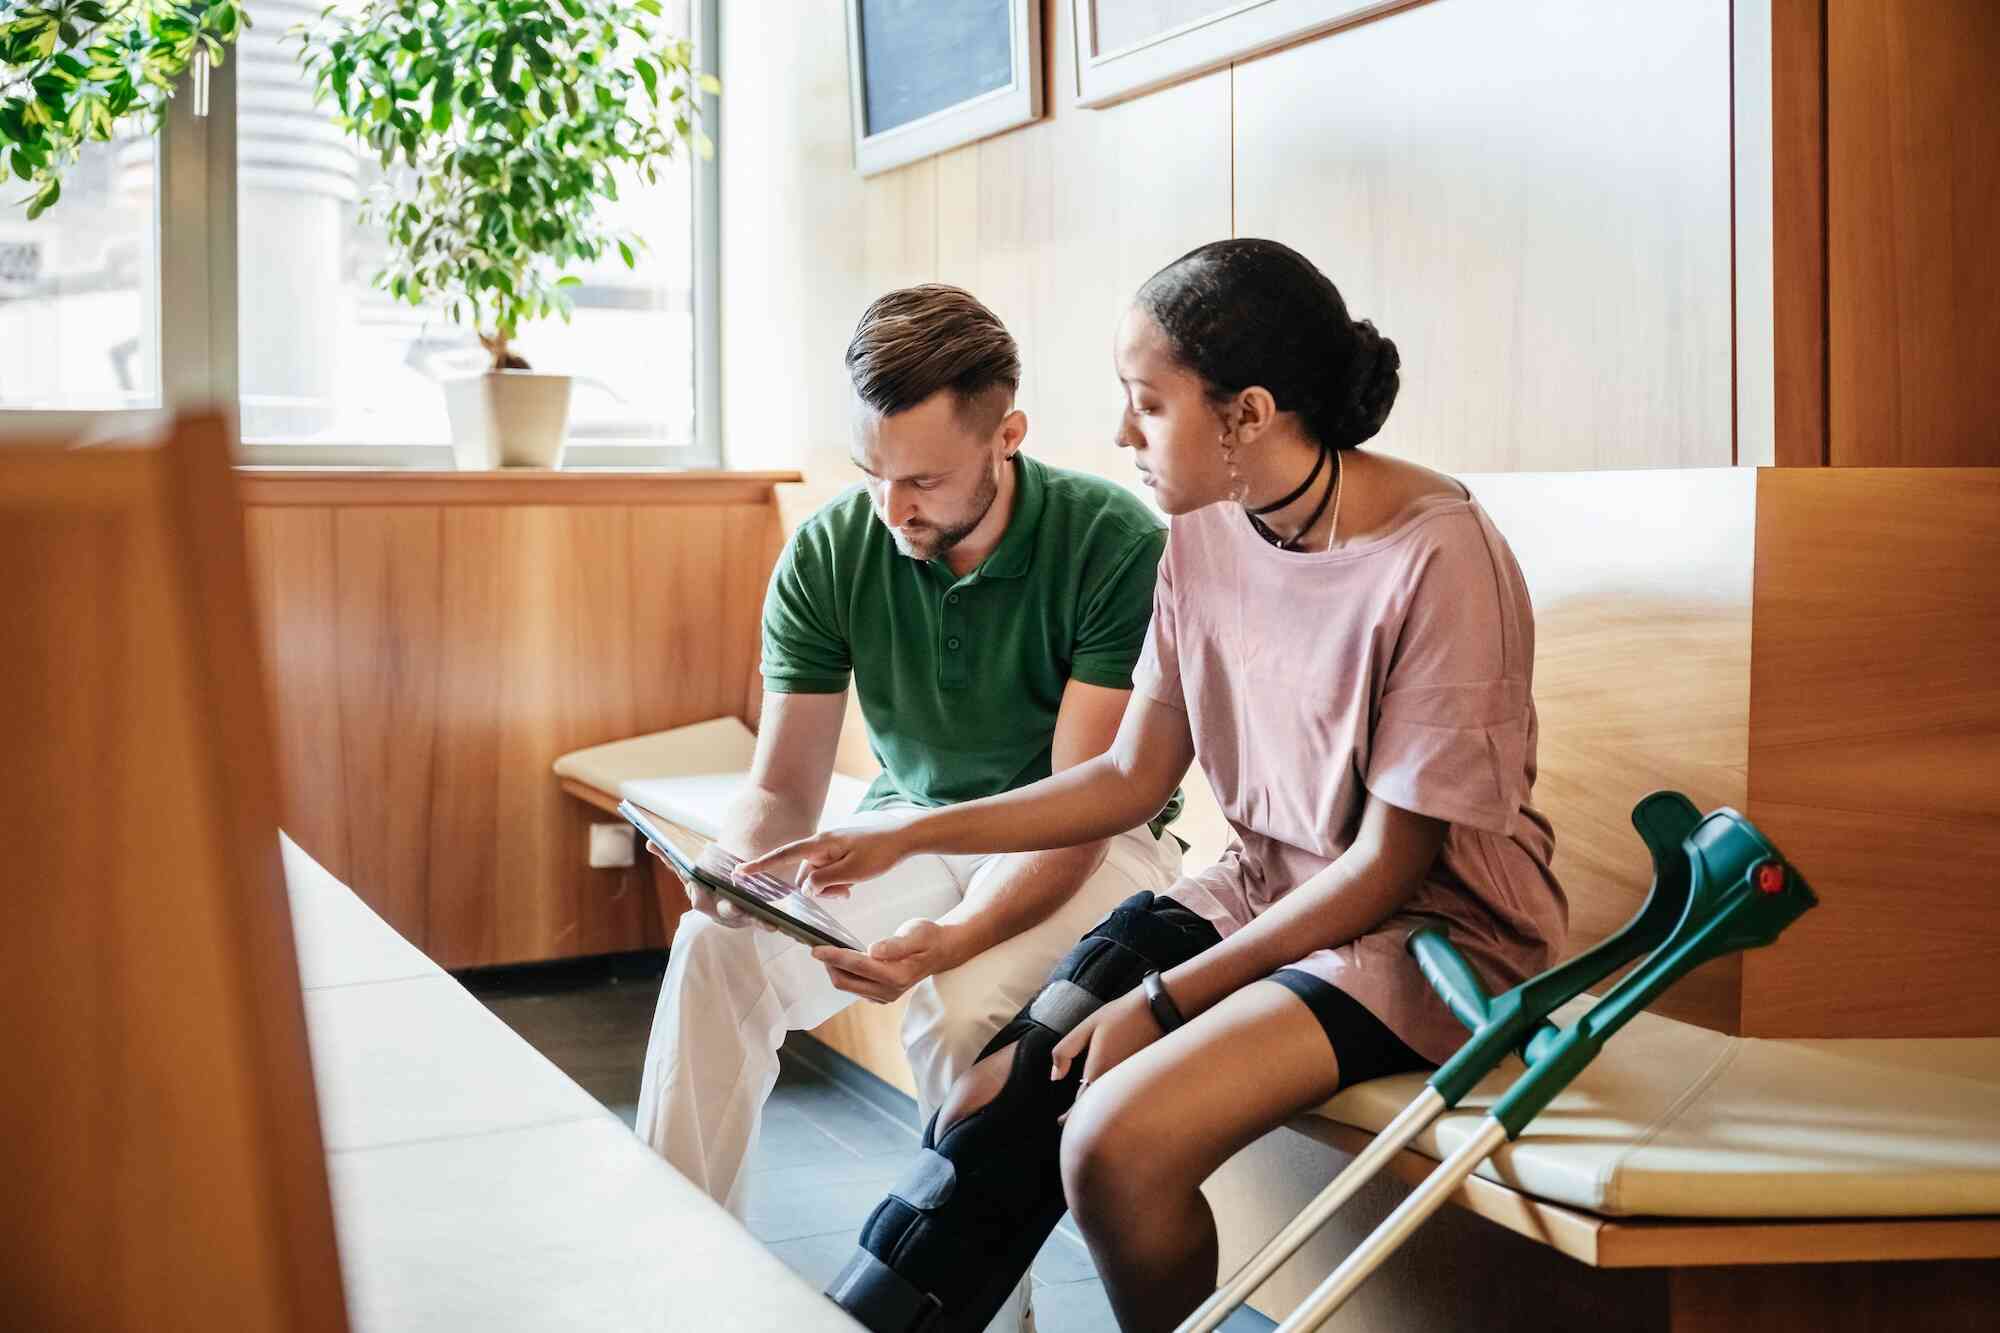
(79, 299)
(327, 369)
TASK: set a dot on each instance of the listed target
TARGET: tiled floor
(826, 1156)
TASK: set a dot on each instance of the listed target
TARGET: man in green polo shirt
(987, 609)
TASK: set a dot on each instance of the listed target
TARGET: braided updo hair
(1246, 311)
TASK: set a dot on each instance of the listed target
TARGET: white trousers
(731, 995)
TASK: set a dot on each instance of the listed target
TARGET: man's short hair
(913, 342)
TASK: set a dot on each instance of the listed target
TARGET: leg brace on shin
(942, 1252)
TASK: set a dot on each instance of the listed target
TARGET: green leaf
(45, 200)
(569, 280)
(649, 76)
(710, 84)
(626, 251)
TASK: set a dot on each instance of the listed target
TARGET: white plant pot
(507, 418)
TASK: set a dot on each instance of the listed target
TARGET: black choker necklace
(1291, 543)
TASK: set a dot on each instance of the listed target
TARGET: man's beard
(942, 540)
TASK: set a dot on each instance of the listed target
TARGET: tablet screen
(768, 891)
(783, 897)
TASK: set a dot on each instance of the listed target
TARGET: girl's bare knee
(1107, 1166)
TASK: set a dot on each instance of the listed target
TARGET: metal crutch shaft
(1410, 1122)
(1386, 1239)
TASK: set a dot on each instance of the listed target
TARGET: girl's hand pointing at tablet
(833, 862)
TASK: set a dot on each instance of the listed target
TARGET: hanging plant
(73, 71)
(511, 121)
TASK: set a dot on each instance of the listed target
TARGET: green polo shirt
(960, 679)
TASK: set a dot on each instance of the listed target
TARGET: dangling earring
(1239, 488)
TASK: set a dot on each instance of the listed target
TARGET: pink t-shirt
(1399, 666)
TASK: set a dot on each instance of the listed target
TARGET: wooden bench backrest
(160, 1121)
(1642, 586)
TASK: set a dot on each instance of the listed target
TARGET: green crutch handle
(1518, 1019)
(1742, 897)
(1450, 976)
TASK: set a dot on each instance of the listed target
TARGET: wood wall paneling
(387, 620)
(1054, 227)
(430, 662)
(1913, 181)
(1532, 197)
(164, 1149)
(1875, 744)
(1798, 231)
(1951, 1297)
(292, 577)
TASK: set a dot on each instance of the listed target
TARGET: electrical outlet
(612, 846)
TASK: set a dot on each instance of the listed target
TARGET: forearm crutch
(1718, 886)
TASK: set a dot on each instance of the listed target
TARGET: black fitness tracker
(1165, 1012)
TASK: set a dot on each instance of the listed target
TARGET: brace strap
(1061, 1006)
(880, 1298)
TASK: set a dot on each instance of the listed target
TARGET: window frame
(197, 333)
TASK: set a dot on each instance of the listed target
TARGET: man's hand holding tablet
(714, 859)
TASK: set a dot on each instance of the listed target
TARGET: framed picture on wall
(927, 75)
(1128, 47)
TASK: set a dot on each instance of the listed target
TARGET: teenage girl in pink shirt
(1344, 642)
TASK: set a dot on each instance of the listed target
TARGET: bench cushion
(1673, 1120)
(475, 1186)
(689, 774)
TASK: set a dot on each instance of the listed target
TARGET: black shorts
(1362, 1043)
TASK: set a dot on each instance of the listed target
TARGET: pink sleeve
(1158, 672)
(1454, 719)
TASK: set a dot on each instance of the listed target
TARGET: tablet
(765, 897)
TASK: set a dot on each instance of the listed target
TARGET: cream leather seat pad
(689, 774)
(475, 1187)
(1674, 1120)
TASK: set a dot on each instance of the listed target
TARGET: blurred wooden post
(163, 1139)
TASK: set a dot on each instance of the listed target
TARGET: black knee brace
(942, 1252)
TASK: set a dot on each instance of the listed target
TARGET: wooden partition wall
(163, 1144)
(1885, 131)
(1875, 749)
(436, 641)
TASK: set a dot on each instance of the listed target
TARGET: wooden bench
(1815, 649)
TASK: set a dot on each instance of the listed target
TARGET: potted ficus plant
(502, 127)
